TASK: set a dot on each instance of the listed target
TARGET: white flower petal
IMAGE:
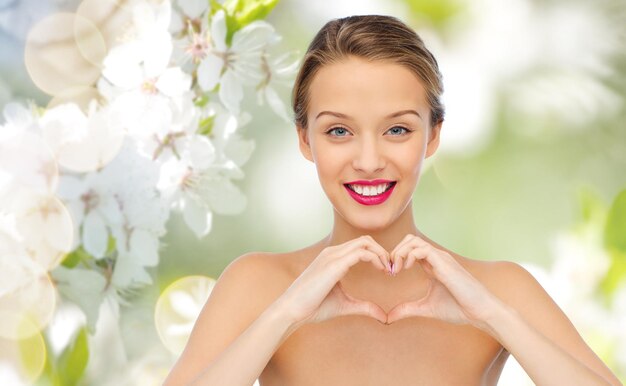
(226, 198)
(110, 210)
(84, 287)
(158, 50)
(129, 272)
(70, 187)
(231, 170)
(239, 149)
(177, 25)
(201, 151)
(122, 65)
(218, 31)
(231, 92)
(17, 115)
(197, 217)
(193, 8)
(95, 235)
(144, 247)
(276, 103)
(173, 82)
(171, 174)
(253, 37)
(209, 72)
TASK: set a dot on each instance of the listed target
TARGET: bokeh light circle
(30, 162)
(178, 308)
(25, 358)
(47, 230)
(64, 51)
(111, 17)
(27, 302)
(81, 95)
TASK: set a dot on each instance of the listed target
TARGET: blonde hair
(371, 37)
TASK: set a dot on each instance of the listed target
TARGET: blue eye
(401, 128)
(338, 130)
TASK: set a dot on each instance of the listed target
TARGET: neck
(387, 237)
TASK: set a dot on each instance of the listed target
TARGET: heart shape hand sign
(454, 295)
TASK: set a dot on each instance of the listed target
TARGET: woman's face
(368, 121)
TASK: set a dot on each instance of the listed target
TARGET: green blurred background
(503, 198)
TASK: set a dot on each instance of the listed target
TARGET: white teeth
(370, 190)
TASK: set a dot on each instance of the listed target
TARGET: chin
(368, 223)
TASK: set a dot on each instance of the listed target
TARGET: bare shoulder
(261, 274)
(246, 287)
(512, 283)
(500, 276)
(515, 286)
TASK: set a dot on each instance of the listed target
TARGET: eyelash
(343, 128)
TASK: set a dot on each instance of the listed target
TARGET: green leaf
(32, 355)
(615, 230)
(73, 360)
(438, 12)
(615, 244)
(614, 276)
(254, 10)
(111, 246)
(72, 259)
(50, 375)
(206, 125)
(240, 13)
(593, 208)
(202, 101)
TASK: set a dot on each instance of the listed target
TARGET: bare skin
(328, 314)
(358, 350)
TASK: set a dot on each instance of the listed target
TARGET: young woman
(376, 302)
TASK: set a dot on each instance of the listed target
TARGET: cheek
(408, 158)
(330, 161)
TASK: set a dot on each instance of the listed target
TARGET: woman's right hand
(317, 295)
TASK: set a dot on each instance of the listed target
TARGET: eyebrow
(392, 115)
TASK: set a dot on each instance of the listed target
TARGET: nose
(369, 158)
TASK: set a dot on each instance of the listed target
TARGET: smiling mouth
(369, 191)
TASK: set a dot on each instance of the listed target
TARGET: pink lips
(370, 200)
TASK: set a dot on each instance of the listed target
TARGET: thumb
(366, 308)
(354, 306)
(408, 309)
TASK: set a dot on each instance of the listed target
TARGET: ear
(303, 140)
(433, 140)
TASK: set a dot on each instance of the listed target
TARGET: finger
(401, 259)
(420, 307)
(415, 255)
(398, 262)
(401, 243)
(357, 255)
(409, 242)
(354, 306)
(367, 242)
(408, 309)
(403, 252)
(372, 245)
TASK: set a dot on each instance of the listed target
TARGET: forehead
(364, 88)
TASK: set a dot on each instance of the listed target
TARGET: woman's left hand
(454, 294)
